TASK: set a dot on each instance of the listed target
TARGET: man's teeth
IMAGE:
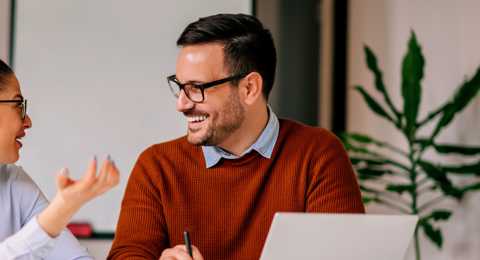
(196, 118)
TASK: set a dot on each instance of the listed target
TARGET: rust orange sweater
(228, 208)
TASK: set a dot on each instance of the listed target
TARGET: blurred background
(94, 74)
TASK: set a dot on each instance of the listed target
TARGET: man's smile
(195, 123)
(196, 118)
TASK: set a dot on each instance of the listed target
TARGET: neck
(247, 134)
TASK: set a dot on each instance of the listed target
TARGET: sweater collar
(264, 145)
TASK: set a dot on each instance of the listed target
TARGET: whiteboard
(94, 74)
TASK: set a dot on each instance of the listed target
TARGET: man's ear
(252, 84)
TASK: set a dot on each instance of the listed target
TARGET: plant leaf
(464, 169)
(434, 234)
(351, 148)
(374, 105)
(374, 162)
(360, 138)
(377, 162)
(421, 141)
(371, 172)
(366, 177)
(401, 188)
(432, 115)
(367, 200)
(463, 150)
(440, 215)
(372, 65)
(355, 161)
(412, 73)
(462, 97)
(440, 176)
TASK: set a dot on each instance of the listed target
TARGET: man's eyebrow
(193, 81)
(18, 96)
(198, 82)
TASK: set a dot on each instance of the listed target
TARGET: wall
(94, 73)
(448, 33)
(267, 11)
(295, 94)
(5, 30)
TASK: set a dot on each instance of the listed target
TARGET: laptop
(309, 236)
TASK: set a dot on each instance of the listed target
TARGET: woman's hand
(72, 195)
(80, 192)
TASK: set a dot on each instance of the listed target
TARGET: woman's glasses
(22, 104)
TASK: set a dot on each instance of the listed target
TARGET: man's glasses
(194, 92)
(22, 103)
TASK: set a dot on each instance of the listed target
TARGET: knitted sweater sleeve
(141, 230)
(333, 187)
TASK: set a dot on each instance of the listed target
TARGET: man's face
(221, 114)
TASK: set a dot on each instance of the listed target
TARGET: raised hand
(81, 191)
(72, 195)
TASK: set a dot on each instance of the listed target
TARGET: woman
(30, 227)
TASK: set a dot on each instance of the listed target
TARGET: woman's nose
(27, 122)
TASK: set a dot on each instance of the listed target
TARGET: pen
(187, 243)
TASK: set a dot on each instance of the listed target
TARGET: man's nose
(183, 102)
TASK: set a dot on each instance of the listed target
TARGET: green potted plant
(419, 176)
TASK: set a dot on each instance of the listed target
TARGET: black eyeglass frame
(24, 106)
(203, 86)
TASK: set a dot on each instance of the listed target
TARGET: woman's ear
(253, 84)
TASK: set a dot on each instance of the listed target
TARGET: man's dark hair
(247, 46)
(5, 72)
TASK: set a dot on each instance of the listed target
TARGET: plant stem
(413, 192)
(417, 245)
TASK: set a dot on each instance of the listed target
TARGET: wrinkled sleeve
(141, 230)
(31, 241)
(333, 187)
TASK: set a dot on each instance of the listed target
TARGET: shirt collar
(264, 145)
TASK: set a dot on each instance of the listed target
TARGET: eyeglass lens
(24, 109)
(193, 92)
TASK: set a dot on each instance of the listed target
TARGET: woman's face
(12, 128)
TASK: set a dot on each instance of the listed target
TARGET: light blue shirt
(21, 237)
(264, 145)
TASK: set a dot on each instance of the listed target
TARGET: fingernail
(64, 171)
(108, 157)
(112, 162)
(94, 158)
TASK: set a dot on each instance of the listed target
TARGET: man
(238, 164)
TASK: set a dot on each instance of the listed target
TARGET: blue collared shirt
(264, 145)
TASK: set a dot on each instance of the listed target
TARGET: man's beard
(223, 123)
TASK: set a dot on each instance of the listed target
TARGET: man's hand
(180, 253)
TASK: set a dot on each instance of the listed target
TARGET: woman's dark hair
(5, 72)
(247, 46)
